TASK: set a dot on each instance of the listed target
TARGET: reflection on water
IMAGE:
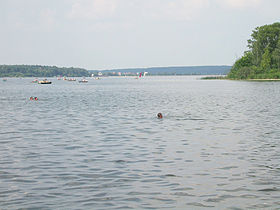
(100, 144)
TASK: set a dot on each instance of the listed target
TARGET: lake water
(99, 145)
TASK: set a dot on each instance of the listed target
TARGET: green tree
(263, 58)
(266, 61)
(244, 61)
(263, 37)
(276, 56)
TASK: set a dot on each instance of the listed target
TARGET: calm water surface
(99, 145)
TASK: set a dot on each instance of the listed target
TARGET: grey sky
(105, 34)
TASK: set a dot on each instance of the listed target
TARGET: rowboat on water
(44, 82)
(83, 81)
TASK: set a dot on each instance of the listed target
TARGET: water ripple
(101, 146)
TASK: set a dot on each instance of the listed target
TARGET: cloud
(240, 3)
(93, 9)
(48, 19)
(181, 10)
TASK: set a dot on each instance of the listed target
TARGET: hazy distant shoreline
(52, 71)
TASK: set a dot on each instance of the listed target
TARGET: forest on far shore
(40, 71)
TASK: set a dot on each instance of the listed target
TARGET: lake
(99, 145)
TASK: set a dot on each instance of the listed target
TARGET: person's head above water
(159, 115)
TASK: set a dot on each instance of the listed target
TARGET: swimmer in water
(36, 99)
(31, 98)
(159, 115)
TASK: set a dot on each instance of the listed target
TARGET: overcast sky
(106, 34)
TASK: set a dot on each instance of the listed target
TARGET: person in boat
(159, 115)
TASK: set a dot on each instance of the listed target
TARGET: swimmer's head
(159, 115)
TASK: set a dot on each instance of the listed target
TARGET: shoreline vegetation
(214, 78)
(262, 61)
(226, 78)
(248, 79)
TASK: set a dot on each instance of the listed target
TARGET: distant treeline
(51, 71)
(40, 71)
(262, 60)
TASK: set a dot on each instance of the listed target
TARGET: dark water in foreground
(100, 146)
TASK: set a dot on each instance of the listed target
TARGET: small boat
(4, 80)
(71, 80)
(45, 81)
(35, 81)
(83, 81)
